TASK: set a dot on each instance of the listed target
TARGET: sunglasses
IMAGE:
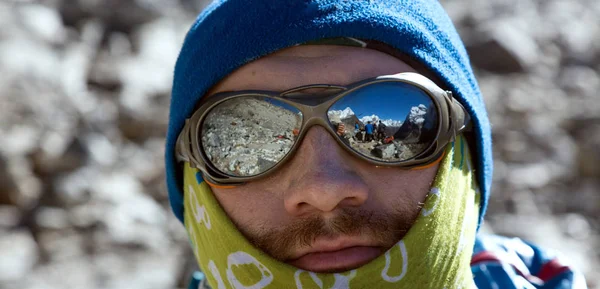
(403, 120)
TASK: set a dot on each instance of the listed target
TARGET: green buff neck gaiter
(435, 253)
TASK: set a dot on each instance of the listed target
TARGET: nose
(324, 177)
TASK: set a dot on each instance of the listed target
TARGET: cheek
(250, 207)
(406, 188)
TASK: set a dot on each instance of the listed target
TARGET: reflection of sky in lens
(386, 100)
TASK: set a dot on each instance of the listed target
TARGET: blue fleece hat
(231, 33)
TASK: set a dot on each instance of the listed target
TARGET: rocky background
(84, 92)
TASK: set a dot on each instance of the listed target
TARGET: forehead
(311, 64)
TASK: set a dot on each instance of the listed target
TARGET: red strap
(548, 271)
(552, 269)
(484, 256)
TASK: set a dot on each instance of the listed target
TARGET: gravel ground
(85, 93)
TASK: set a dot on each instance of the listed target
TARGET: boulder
(9, 217)
(502, 48)
(73, 157)
(19, 254)
(385, 152)
(8, 187)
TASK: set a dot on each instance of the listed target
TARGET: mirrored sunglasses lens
(388, 121)
(246, 136)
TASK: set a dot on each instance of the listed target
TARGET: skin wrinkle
(322, 191)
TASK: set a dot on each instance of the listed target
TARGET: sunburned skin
(324, 210)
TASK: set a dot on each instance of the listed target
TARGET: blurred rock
(18, 139)
(145, 162)
(62, 245)
(148, 75)
(502, 48)
(70, 171)
(141, 225)
(114, 187)
(524, 203)
(101, 149)
(134, 218)
(51, 218)
(73, 157)
(143, 271)
(43, 21)
(580, 81)
(589, 161)
(588, 155)
(576, 226)
(19, 254)
(9, 217)
(104, 71)
(117, 15)
(530, 175)
(75, 66)
(63, 274)
(74, 188)
(29, 58)
(577, 37)
(8, 188)
(23, 188)
(87, 215)
(137, 129)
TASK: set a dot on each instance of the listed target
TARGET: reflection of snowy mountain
(338, 115)
(342, 114)
(416, 126)
(375, 118)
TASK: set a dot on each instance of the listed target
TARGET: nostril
(325, 193)
(349, 199)
(302, 207)
(352, 202)
(297, 208)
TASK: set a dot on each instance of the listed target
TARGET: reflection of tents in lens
(418, 127)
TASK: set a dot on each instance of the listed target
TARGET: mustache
(382, 228)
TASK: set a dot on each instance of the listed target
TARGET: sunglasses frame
(453, 119)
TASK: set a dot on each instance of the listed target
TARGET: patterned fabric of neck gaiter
(435, 253)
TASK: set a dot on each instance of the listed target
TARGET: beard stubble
(382, 228)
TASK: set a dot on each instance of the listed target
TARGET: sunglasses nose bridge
(320, 120)
(317, 120)
(315, 113)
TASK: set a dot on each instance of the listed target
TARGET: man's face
(324, 210)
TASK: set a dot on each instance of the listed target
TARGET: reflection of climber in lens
(381, 131)
(359, 132)
(369, 128)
